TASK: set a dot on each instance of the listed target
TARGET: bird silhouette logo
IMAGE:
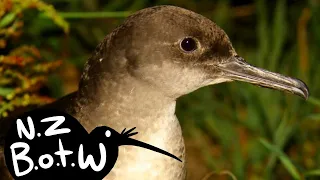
(49, 144)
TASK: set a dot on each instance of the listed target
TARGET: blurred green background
(232, 130)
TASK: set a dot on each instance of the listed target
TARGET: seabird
(138, 71)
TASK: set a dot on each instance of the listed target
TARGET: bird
(139, 70)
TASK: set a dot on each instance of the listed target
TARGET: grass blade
(312, 173)
(279, 33)
(283, 158)
(314, 101)
(314, 117)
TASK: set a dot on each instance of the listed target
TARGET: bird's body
(138, 71)
(157, 126)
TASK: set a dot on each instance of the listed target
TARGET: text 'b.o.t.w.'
(48, 144)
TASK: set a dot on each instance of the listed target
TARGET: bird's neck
(125, 102)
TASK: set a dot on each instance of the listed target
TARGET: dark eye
(188, 44)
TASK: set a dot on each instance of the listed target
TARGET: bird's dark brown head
(178, 51)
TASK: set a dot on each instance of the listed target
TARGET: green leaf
(7, 19)
(5, 91)
(283, 158)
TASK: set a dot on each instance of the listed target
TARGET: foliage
(22, 71)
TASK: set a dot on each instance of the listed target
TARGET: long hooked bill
(236, 68)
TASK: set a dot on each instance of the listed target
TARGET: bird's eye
(108, 133)
(188, 44)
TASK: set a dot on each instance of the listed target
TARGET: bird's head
(178, 51)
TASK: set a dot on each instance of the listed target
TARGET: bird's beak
(133, 142)
(236, 68)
